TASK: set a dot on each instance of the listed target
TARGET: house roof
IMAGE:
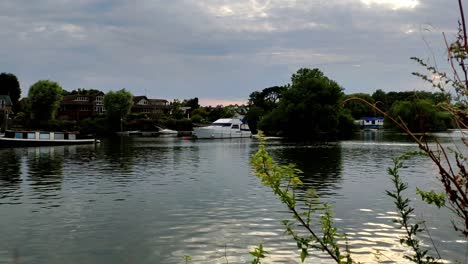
(137, 99)
(71, 99)
(372, 118)
(7, 99)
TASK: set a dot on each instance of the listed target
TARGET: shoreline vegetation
(311, 107)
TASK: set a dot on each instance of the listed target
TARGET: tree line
(38, 110)
(313, 105)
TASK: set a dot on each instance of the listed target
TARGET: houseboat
(371, 123)
(223, 128)
(41, 138)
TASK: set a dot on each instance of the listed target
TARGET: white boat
(41, 138)
(223, 128)
(165, 132)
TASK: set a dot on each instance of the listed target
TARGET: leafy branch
(405, 210)
(283, 179)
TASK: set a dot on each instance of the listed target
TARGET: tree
(309, 107)
(9, 85)
(192, 103)
(359, 110)
(44, 98)
(261, 103)
(421, 116)
(117, 105)
(215, 113)
(83, 91)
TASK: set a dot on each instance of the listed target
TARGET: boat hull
(15, 142)
(208, 133)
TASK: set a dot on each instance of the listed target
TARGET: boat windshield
(222, 124)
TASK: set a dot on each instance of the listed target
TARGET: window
(44, 135)
(222, 124)
(235, 126)
(71, 136)
(59, 136)
(31, 135)
(18, 135)
(99, 100)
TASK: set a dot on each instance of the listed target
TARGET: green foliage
(83, 91)
(283, 180)
(192, 103)
(178, 124)
(309, 107)
(9, 85)
(421, 116)
(432, 197)
(259, 253)
(261, 103)
(385, 101)
(346, 125)
(94, 126)
(199, 115)
(44, 98)
(117, 105)
(215, 113)
(357, 109)
(176, 111)
(405, 211)
(187, 259)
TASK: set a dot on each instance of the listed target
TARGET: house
(5, 103)
(371, 122)
(151, 107)
(80, 106)
(5, 109)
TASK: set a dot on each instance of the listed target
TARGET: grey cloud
(219, 49)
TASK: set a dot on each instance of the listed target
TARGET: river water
(156, 200)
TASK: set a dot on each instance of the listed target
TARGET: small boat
(223, 128)
(42, 138)
(165, 132)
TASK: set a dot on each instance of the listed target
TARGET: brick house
(151, 107)
(80, 106)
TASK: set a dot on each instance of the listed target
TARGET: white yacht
(223, 128)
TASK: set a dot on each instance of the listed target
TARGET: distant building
(5, 103)
(371, 122)
(152, 107)
(80, 106)
(5, 109)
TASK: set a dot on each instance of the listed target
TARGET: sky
(220, 50)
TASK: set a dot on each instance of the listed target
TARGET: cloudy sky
(220, 50)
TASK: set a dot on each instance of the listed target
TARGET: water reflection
(321, 165)
(45, 169)
(10, 173)
(119, 151)
(153, 200)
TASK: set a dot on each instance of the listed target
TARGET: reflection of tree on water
(10, 172)
(321, 164)
(45, 168)
(120, 152)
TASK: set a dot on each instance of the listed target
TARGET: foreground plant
(283, 179)
(405, 211)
